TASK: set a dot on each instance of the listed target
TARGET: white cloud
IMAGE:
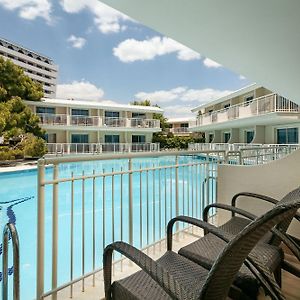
(211, 63)
(132, 50)
(242, 77)
(83, 90)
(178, 111)
(76, 42)
(107, 19)
(30, 9)
(182, 94)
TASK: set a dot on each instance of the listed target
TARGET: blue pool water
(158, 202)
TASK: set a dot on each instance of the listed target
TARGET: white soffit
(258, 39)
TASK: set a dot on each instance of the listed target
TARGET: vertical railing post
(54, 231)
(130, 206)
(40, 230)
(177, 190)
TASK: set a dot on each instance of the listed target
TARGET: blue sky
(105, 56)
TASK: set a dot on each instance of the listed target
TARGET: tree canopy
(13, 82)
(17, 121)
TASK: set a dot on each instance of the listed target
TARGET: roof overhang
(258, 39)
(94, 104)
(237, 93)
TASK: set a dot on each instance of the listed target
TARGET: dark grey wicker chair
(175, 277)
(205, 250)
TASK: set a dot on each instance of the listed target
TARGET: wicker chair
(205, 250)
(175, 277)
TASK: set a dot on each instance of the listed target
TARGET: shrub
(33, 146)
(10, 154)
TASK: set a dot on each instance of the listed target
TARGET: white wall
(275, 179)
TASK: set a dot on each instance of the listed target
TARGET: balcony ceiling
(258, 39)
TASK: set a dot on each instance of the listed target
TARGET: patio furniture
(205, 250)
(175, 277)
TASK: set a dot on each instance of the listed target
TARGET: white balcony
(180, 130)
(96, 148)
(264, 105)
(95, 121)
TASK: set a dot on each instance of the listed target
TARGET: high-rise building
(38, 67)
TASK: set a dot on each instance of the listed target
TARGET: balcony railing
(247, 154)
(180, 130)
(66, 120)
(259, 106)
(96, 148)
(131, 199)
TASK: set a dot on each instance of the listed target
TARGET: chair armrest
(253, 195)
(226, 207)
(196, 222)
(151, 267)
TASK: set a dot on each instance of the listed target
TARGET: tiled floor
(291, 284)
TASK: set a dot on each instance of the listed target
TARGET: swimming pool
(19, 189)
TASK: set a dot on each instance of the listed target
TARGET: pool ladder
(10, 231)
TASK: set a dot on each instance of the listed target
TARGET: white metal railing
(247, 154)
(63, 119)
(133, 202)
(96, 148)
(180, 130)
(259, 106)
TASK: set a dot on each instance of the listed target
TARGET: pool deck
(19, 166)
(290, 283)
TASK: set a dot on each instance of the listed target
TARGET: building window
(249, 136)
(248, 99)
(184, 125)
(45, 110)
(210, 137)
(80, 138)
(50, 138)
(112, 139)
(136, 115)
(287, 136)
(138, 139)
(226, 137)
(80, 112)
(112, 114)
(226, 106)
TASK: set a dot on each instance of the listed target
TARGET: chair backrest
(229, 262)
(284, 224)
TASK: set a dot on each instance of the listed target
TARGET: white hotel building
(74, 126)
(252, 114)
(38, 67)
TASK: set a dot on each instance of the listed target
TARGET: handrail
(11, 231)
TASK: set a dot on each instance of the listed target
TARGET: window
(112, 139)
(249, 136)
(80, 138)
(227, 106)
(184, 125)
(226, 137)
(112, 114)
(136, 115)
(210, 137)
(50, 137)
(80, 112)
(138, 139)
(45, 110)
(248, 99)
(287, 136)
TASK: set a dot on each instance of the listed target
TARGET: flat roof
(236, 93)
(27, 49)
(95, 104)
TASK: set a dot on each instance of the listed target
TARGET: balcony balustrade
(56, 119)
(180, 130)
(259, 106)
